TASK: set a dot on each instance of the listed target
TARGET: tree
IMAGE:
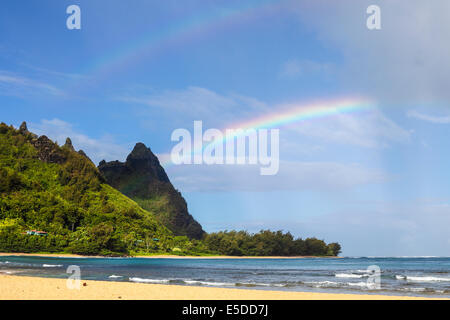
(334, 249)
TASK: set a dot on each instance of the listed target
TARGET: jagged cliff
(143, 179)
(58, 190)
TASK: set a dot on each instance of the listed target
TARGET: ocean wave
(321, 284)
(406, 257)
(260, 284)
(332, 284)
(356, 284)
(349, 275)
(205, 282)
(423, 290)
(280, 285)
(442, 291)
(20, 265)
(209, 283)
(113, 276)
(52, 265)
(8, 271)
(427, 279)
(415, 290)
(143, 280)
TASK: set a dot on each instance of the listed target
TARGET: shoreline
(35, 288)
(159, 256)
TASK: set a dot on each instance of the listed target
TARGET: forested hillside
(55, 189)
(54, 199)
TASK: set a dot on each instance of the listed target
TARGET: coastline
(34, 288)
(159, 256)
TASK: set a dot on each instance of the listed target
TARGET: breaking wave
(427, 279)
(349, 275)
(143, 280)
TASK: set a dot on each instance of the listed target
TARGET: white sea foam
(113, 276)
(209, 283)
(348, 275)
(400, 277)
(278, 285)
(260, 284)
(331, 284)
(52, 265)
(427, 279)
(320, 284)
(142, 280)
(357, 284)
(413, 289)
(8, 271)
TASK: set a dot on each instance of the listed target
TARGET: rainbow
(204, 22)
(294, 113)
(301, 112)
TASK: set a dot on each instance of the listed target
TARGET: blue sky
(378, 181)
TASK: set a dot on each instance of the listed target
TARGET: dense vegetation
(60, 191)
(143, 179)
(44, 186)
(268, 243)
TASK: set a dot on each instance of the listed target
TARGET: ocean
(410, 276)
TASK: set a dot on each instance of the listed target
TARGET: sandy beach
(33, 288)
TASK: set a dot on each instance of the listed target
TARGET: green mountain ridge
(60, 191)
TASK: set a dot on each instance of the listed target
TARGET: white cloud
(58, 74)
(13, 84)
(405, 61)
(200, 99)
(371, 129)
(429, 118)
(195, 103)
(319, 176)
(103, 148)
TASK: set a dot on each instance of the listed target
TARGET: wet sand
(33, 288)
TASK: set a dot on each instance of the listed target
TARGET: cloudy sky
(377, 181)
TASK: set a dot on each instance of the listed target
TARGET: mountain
(55, 189)
(60, 192)
(143, 179)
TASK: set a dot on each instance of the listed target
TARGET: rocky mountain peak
(143, 179)
(140, 151)
(48, 151)
(23, 128)
(69, 145)
(142, 160)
